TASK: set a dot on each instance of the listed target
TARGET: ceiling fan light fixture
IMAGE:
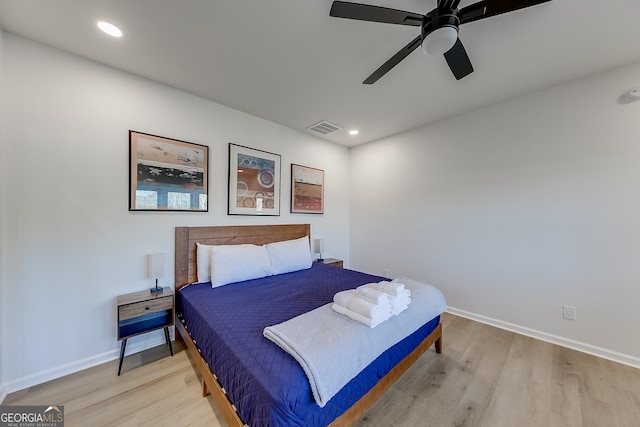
(438, 28)
(440, 40)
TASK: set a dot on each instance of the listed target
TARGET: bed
(227, 390)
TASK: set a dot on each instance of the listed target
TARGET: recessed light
(110, 29)
(354, 132)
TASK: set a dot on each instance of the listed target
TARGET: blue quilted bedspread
(267, 386)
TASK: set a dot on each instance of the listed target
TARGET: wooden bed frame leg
(204, 388)
(439, 345)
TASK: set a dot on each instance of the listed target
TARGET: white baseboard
(614, 356)
(77, 366)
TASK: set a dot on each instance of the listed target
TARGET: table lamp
(156, 270)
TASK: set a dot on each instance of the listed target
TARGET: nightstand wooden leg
(122, 348)
(168, 338)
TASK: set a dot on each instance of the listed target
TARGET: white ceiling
(287, 61)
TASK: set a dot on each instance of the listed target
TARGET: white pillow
(235, 263)
(203, 262)
(290, 255)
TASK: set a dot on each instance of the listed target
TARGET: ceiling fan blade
(393, 61)
(487, 8)
(458, 61)
(448, 4)
(366, 12)
(472, 12)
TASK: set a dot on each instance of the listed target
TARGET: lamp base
(320, 260)
(156, 290)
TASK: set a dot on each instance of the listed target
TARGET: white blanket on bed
(332, 349)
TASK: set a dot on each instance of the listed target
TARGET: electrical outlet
(569, 312)
(386, 272)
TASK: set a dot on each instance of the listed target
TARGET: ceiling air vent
(324, 128)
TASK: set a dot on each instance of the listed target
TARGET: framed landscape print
(254, 181)
(167, 174)
(307, 190)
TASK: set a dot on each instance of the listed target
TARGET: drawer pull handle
(147, 307)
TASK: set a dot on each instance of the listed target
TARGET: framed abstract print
(254, 181)
(167, 174)
(307, 190)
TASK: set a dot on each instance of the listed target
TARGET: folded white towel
(393, 288)
(400, 300)
(400, 305)
(374, 295)
(372, 323)
(398, 310)
(396, 293)
(353, 301)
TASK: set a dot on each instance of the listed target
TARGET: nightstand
(142, 312)
(332, 261)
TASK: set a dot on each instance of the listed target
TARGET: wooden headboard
(186, 238)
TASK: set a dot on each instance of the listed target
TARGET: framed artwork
(307, 190)
(167, 175)
(254, 181)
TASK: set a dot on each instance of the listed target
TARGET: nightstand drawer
(145, 307)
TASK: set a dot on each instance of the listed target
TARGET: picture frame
(307, 189)
(254, 182)
(167, 174)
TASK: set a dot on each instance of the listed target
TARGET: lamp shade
(318, 246)
(155, 266)
(440, 40)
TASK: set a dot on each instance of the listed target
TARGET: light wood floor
(484, 377)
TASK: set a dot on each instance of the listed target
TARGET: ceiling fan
(439, 28)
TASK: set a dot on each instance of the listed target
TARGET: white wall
(73, 246)
(515, 210)
(512, 210)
